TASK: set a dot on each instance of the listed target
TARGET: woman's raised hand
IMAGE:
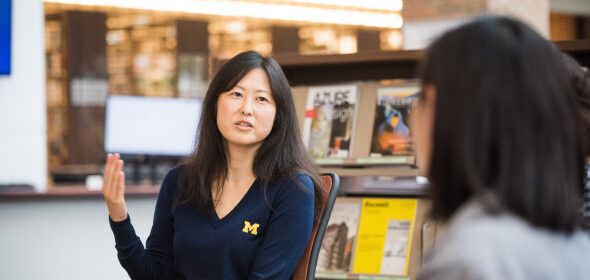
(113, 187)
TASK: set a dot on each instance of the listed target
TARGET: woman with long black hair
(242, 207)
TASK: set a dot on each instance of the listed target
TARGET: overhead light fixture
(256, 10)
(382, 5)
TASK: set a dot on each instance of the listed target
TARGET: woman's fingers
(121, 185)
(118, 187)
(112, 179)
(113, 174)
(106, 189)
(114, 187)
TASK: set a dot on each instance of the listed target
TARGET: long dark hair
(282, 154)
(579, 78)
(506, 123)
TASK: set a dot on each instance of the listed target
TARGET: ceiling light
(255, 10)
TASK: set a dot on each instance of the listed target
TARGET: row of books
(332, 117)
(370, 236)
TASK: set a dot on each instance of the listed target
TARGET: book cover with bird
(391, 131)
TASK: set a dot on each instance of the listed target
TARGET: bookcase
(56, 77)
(93, 54)
(368, 70)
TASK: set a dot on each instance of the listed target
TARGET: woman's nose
(247, 107)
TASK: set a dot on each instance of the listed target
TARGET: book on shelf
(385, 236)
(338, 243)
(330, 114)
(391, 129)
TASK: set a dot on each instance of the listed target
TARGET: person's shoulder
(297, 181)
(490, 233)
(465, 253)
(172, 178)
(304, 179)
(174, 173)
(473, 235)
(504, 247)
(486, 244)
(294, 186)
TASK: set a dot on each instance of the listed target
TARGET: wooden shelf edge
(77, 191)
(364, 57)
(293, 60)
(573, 45)
(391, 171)
(412, 193)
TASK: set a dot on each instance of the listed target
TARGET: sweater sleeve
(156, 260)
(288, 231)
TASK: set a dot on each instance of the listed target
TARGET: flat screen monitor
(151, 125)
(5, 31)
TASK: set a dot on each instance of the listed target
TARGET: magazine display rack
(371, 72)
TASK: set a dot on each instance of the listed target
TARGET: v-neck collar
(217, 222)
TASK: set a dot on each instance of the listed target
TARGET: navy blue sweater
(256, 240)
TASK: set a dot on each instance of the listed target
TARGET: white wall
(418, 34)
(23, 153)
(533, 12)
(64, 239)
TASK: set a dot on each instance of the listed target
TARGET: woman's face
(246, 113)
(422, 119)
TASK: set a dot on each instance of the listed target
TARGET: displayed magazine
(391, 130)
(336, 252)
(385, 236)
(329, 120)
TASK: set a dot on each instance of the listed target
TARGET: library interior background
(82, 78)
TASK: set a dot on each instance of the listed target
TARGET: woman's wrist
(118, 213)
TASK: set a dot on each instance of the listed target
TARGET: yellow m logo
(248, 228)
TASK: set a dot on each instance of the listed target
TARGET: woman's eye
(236, 94)
(263, 99)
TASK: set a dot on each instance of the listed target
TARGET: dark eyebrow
(260, 90)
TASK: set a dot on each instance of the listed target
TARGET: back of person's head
(579, 78)
(506, 123)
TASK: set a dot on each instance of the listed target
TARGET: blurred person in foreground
(498, 133)
(579, 78)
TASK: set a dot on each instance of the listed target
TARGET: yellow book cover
(385, 236)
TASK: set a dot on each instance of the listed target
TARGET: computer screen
(137, 125)
(5, 30)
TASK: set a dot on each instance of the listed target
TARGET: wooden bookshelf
(368, 69)
(360, 163)
(56, 86)
(330, 69)
(370, 66)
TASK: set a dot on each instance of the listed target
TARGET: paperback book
(391, 130)
(385, 233)
(338, 243)
(329, 120)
